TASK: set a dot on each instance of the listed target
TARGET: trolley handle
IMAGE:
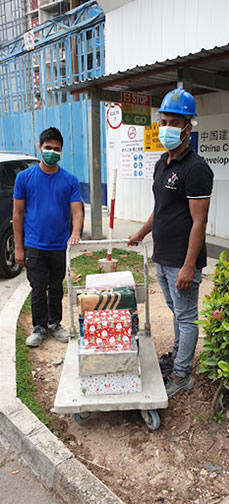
(106, 242)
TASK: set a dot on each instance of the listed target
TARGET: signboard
(114, 116)
(151, 142)
(212, 141)
(29, 40)
(136, 109)
(134, 162)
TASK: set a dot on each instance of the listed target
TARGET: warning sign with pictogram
(29, 40)
(132, 132)
(151, 142)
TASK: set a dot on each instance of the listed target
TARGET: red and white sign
(29, 40)
(114, 116)
(132, 132)
(135, 98)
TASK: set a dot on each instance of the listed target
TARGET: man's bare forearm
(18, 229)
(77, 221)
(143, 231)
(195, 243)
(147, 227)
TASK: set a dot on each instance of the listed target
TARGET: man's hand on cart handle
(74, 238)
(134, 239)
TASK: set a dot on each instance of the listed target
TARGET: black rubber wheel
(81, 418)
(151, 418)
(8, 267)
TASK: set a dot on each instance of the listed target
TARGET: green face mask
(50, 157)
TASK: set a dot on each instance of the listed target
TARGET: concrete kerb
(45, 454)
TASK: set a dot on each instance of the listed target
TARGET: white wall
(216, 107)
(144, 31)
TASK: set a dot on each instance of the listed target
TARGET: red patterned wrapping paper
(107, 330)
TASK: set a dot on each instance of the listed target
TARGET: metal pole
(111, 226)
(184, 79)
(72, 329)
(95, 165)
(73, 5)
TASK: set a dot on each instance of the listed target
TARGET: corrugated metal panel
(157, 77)
(144, 31)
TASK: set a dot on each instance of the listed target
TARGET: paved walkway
(17, 484)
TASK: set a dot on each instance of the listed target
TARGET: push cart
(153, 395)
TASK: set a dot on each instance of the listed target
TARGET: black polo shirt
(186, 177)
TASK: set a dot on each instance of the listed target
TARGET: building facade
(13, 20)
(18, 16)
(160, 33)
(39, 11)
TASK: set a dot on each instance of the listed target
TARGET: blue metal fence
(67, 49)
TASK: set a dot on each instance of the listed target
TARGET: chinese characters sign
(213, 143)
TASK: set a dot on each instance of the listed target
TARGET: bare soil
(170, 465)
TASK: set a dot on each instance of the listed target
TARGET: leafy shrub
(214, 361)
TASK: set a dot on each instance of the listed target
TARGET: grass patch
(87, 265)
(26, 388)
(26, 308)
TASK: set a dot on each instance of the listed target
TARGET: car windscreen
(10, 169)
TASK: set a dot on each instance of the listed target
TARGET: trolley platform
(153, 396)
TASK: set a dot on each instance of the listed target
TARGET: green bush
(214, 361)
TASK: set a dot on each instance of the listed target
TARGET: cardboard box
(93, 362)
(110, 280)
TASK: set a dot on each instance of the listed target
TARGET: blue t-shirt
(47, 206)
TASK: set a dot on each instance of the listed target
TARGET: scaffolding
(67, 49)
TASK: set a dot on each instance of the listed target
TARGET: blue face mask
(170, 136)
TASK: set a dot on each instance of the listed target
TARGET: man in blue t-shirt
(44, 197)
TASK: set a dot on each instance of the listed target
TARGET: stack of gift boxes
(108, 353)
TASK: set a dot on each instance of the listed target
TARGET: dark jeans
(45, 272)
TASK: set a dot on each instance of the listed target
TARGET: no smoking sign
(132, 132)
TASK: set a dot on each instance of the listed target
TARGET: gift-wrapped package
(118, 298)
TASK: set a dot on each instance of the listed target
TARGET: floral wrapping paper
(120, 383)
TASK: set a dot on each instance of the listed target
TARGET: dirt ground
(184, 462)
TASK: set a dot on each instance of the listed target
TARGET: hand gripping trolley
(69, 398)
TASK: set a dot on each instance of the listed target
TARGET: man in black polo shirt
(182, 188)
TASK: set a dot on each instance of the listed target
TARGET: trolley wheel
(151, 418)
(81, 418)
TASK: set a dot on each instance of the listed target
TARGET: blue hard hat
(178, 101)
